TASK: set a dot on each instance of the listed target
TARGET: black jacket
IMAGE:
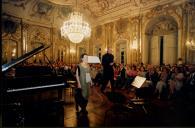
(107, 59)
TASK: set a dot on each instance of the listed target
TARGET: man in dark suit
(108, 72)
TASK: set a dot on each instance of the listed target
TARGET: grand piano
(32, 95)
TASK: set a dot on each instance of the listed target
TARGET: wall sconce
(134, 45)
(72, 51)
(14, 52)
(190, 44)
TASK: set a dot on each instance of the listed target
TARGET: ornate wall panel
(130, 20)
(190, 11)
(11, 38)
(154, 55)
(170, 49)
(36, 35)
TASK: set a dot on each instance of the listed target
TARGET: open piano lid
(30, 101)
(32, 82)
(24, 57)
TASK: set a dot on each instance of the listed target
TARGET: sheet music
(93, 59)
(138, 81)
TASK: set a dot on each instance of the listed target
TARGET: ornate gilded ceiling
(54, 12)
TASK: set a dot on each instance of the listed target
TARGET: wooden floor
(118, 108)
(97, 106)
(101, 112)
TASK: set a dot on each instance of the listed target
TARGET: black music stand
(138, 83)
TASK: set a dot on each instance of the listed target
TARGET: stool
(71, 87)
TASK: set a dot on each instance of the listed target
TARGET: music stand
(138, 82)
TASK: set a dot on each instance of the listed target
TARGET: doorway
(161, 50)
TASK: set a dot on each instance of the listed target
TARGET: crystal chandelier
(76, 29)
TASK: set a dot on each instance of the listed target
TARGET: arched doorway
(162, 40)
(98, 51)
(121, 51)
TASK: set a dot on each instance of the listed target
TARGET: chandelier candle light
(76, 29)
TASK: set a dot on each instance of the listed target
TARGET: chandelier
(76, 29)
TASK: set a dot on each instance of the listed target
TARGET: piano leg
(61, 94)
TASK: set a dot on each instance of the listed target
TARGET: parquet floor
(118, 108)
(155, 113)
(97, 106)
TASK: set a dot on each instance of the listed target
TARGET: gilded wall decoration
(11, 38)
(145, 2)
(42, 10)
(170, 12)
(61, 2)
(16, 3)
(95, 11)
(103, 4)
(66, 10)
(63, 11)
(155, 11)
(121, 25)
(100, 8)
(25, 26)
(134, 27)
(192, 25)
(162, 10)
(109, 34)
(189, 7)
(98, 31)
(39, 34)
(164, 27)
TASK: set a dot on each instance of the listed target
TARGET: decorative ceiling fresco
(99, 8)
(96, 12)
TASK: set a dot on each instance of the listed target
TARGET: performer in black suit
(108, 72)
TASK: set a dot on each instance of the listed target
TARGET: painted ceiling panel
(95, 11)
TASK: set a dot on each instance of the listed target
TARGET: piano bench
(70, 89)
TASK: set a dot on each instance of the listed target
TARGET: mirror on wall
(121, 47)
(98, 52)
(9, 51)
(81, 51)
